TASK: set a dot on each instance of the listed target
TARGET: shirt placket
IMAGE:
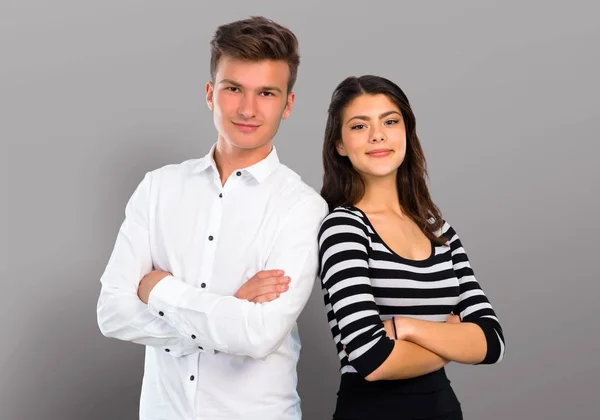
(213, 227)
(207, 262)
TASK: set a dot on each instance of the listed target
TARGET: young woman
(402, 300)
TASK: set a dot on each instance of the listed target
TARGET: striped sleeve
(474, 306)
(350, 304)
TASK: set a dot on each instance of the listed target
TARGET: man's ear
(210, 90)
(288, 107)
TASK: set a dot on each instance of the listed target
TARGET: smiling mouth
(379, 153)
(246, 127)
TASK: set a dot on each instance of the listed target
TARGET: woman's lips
(379, 153)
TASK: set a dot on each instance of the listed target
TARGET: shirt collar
(260, 170)
(206, 161)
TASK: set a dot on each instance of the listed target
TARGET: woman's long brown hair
(343, 185)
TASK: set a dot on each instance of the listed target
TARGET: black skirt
(427, 397)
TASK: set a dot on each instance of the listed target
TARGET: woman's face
(373, 136)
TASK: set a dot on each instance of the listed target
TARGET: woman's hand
(453, 319)
(389, 329)
(405, 326)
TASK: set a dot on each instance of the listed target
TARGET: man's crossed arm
(181, 318)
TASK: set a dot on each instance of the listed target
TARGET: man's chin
(248, 144)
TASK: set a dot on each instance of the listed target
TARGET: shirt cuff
(165, 296)
(164, 301)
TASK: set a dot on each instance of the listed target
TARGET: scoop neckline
(423, 262)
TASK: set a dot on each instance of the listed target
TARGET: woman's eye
(391, 122)
(358, 127)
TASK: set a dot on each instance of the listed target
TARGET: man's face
(249, 99)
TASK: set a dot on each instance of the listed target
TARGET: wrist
(149, 282)
(406, 328)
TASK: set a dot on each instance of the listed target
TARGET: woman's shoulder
(344, 218)
(341, 215)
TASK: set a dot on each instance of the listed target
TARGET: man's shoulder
(296, 192)
(175, 171)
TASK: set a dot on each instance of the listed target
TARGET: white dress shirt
(210, 355)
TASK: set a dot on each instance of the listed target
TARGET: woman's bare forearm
(462, 342)
(407, 360)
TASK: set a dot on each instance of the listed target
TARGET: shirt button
(161, 313)
(200, 347)
(193, 337)
(192, 378)
(238, 173)
(203, 285)
(210, 238)
(167, 350)
(221, 195)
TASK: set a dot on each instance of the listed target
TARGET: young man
(194, 274)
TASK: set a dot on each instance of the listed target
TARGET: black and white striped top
(365, 282)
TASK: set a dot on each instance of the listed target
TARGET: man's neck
(229, 158)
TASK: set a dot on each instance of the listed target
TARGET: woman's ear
(339, 146)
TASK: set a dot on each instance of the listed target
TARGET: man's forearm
(121, 315)
(241, 327)
(226, 323)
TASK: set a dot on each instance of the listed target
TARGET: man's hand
(148, 282)
(264, 286)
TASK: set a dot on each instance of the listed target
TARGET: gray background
(94, 94)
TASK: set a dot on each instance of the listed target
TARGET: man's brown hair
(254, 39)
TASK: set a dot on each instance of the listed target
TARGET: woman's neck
(381, 195)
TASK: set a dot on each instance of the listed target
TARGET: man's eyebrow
(366, 118)
(229, 82)
(262, 88)
(269, 88)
